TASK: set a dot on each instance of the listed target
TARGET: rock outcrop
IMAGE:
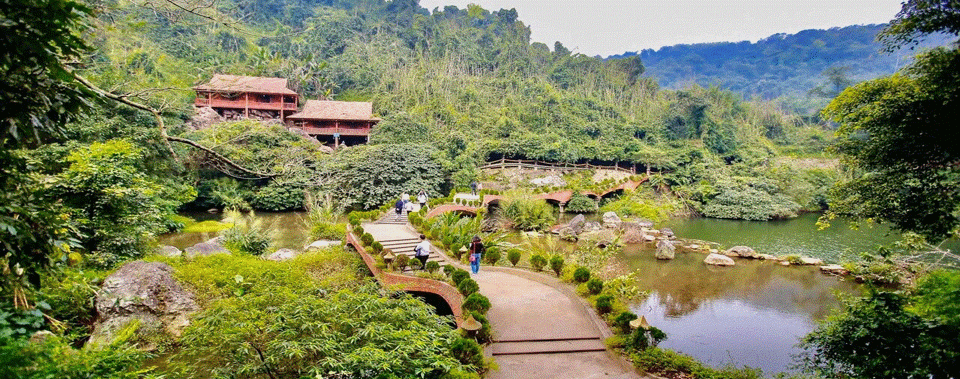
(611, 218)
(808, 261)
(577, 224)
(320, 245)
(205, 249)
(204, 117)
(169, 251)
(834, 270)
(146, 292)
(632, 235)
(666, 250)
(719, 260)
(282, 255)
(601, 238)
(742, 252)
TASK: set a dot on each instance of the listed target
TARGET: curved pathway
(541, 328)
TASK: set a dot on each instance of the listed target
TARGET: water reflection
(290, 230)
(752, 313)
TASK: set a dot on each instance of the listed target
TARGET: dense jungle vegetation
(98, 160)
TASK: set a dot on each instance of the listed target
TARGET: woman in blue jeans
(476, 252)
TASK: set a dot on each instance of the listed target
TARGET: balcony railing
(330, 131)
(242, 104)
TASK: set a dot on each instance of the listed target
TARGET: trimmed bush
(513, 255)
(358, 230)
(595, 286)
(467, 351)
(556, 264)
(458, 276)
(366, 239)
(377, 246)
(604, 304)
(581, 275)
(433, 266)
(476, 303)
(580, 203)
(622, 321)
(538, 261)
(401, 262)
(492, 255)
(468, 287)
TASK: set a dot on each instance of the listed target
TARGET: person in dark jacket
(476, 252)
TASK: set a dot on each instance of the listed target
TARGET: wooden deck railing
(534, 164)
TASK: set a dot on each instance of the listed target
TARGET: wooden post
(282, 98)
(246, 105)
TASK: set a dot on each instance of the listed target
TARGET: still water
(751, 314)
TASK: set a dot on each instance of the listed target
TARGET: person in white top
(408, 206)
(422, 251)
(405, 197)
(422, 199)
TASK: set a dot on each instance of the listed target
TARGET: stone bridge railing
(411, 283)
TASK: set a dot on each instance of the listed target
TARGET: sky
(608, 27)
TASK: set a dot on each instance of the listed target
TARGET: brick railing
(411, 283)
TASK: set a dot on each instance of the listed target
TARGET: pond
(291, 230)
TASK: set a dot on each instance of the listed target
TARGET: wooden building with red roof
(235, 97)
(337, 122)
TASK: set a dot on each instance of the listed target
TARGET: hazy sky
(606, 27)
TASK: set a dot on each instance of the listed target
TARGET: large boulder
(611, 218)
(282, 255)
(808, 261)
(741, 251)
(667, 232)
(719, 260)
(146, 292)
(169, 251)
(577, 224)
(204, 117)
(665, 250)
(205, 249)
(834, 270)
(632, 235)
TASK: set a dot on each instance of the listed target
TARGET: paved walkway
(541, 328)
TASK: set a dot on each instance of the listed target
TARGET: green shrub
(457, 252)
(622, 322)
(492, 256)
(604, 304)
(581, 275)
(580, 203)
(377, 247)
(476, 302)
(595, 286)
(366, 239)
(458, 276)
(248, 235)
(278, 197)
(468, 287)
(401, 262)
(358, 230)
(537, 261)
(328, 231)
(528, 214)
(433, 266)
(513, 255)
(467, 351)
(447, 241)
(556, 264)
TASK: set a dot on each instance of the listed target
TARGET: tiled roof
(256, 84)
(335, 110)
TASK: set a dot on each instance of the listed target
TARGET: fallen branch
(223, 159)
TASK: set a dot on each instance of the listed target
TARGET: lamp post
(471, 325)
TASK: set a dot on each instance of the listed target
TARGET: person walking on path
(422, 199)
(422, 251)
(473, 187)
(399, 208)
(408, 207)
(476, 252)
(405, 197)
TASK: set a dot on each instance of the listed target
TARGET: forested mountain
(811, 62)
